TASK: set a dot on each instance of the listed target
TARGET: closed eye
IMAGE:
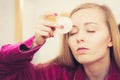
(73, 31)
(91, 31)
(91, 27)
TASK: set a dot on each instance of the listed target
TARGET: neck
(98, 69)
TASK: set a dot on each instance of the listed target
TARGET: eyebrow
(87, 23)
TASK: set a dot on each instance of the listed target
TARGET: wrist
(37, 41)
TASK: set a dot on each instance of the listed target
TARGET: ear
(110, 44)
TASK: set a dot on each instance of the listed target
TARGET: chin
(85, 61)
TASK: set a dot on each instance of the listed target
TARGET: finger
(49, 19)
(49, 16)
(44, 34)
(52, 24)
(46, 29)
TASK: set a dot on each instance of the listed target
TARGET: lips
(82, 50)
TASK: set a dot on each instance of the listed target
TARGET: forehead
(94, 14)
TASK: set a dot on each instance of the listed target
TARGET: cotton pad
(67, 24)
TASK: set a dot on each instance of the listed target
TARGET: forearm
(21, 52)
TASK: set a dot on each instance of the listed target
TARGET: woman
(91, 51)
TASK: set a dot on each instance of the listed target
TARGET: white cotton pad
(67, 24)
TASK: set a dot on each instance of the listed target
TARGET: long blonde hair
(66, 58)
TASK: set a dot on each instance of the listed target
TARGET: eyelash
(90, 31)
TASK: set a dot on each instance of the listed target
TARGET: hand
(45, 28)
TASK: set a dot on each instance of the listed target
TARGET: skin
(45, 28)
(89, 41)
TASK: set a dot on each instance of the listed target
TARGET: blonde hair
(119, 27)
(66, 57)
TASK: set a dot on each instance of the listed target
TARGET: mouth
(82, 50)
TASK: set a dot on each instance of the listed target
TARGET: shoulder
(49, 71)
(114, 71)
(52, 67)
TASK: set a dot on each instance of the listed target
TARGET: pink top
(15, 64)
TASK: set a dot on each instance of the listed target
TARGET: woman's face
(89, 38)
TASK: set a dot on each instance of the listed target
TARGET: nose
(80, 37)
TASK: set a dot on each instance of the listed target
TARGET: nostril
(79, 41)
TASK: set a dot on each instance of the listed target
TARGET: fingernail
(56, 14)
(53, 28)
(62, 27)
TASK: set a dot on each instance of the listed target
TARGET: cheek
(71, 42)
(101, 42)
(100, 47)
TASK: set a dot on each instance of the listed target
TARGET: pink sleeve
(15, 61)
(18, 53)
